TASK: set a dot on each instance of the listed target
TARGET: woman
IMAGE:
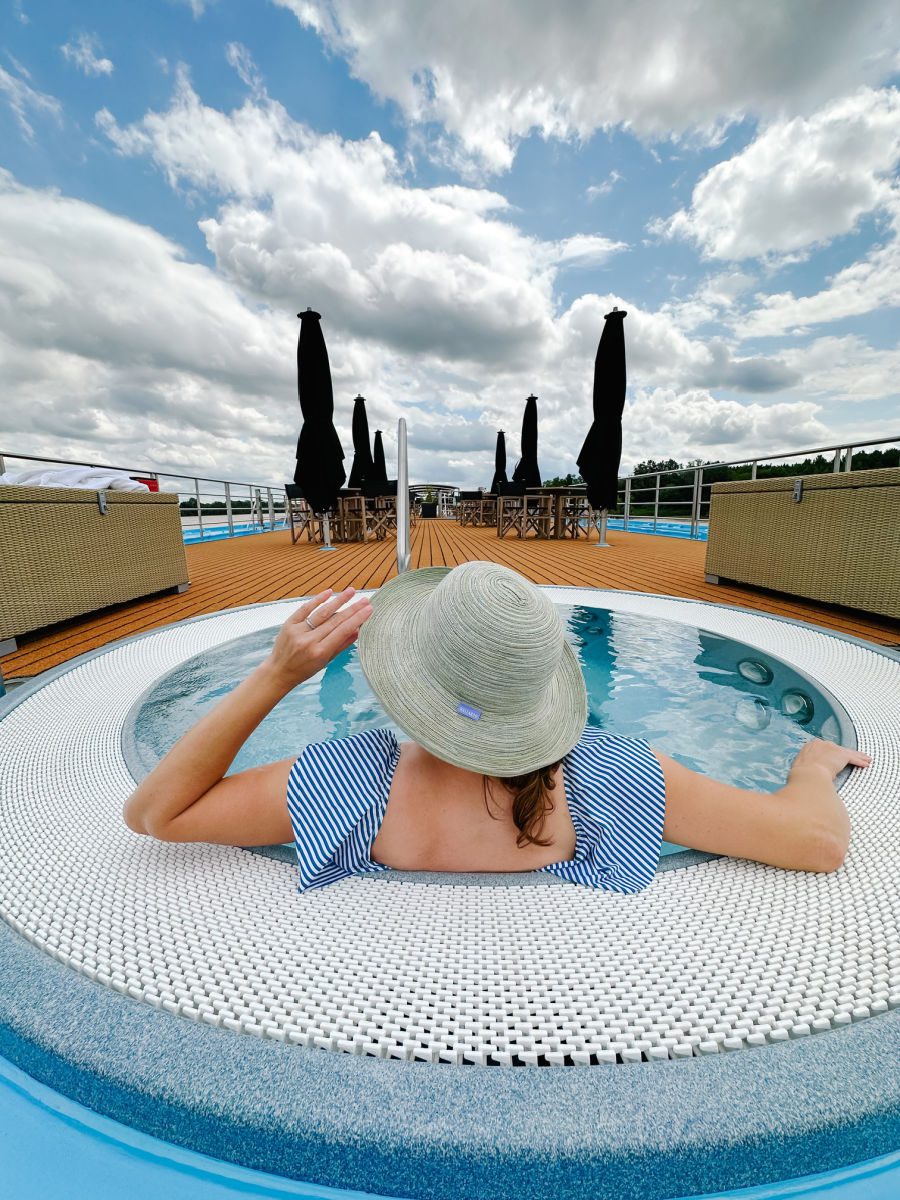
(502, 774)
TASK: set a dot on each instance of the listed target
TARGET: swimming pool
(680, 529)
(215, 533)
(77, 889)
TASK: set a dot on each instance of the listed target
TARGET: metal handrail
(260, 497)
(843, 459)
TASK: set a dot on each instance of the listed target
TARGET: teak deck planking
(261, 567)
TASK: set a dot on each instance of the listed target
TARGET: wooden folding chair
(538, 516)
(576, 517)
(488, 516)
(350, 523)
(303, 519)
(511, 510)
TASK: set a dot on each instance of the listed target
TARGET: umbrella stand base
(326, 529)
(603, 544)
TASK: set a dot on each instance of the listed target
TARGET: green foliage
(430, 497)
(564, 481)
(651, 465)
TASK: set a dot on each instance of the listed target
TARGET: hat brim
(390, 657)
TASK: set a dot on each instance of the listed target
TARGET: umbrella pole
(603, 544)
(326, 524)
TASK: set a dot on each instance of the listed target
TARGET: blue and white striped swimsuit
(338, 792)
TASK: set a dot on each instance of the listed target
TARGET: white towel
(94, 478)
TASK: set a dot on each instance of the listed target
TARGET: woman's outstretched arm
(185, 797)
(803, 826)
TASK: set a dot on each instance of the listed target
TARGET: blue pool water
(717, 705)
(215, 533)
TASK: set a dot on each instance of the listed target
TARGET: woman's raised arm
(195, 766)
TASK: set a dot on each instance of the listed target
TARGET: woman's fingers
(330, 607)
(320, 607)
(307, 607)
(833, 758)
(346, 626)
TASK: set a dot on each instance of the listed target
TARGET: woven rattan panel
(710, 958)
(839, 544)
(62, 557)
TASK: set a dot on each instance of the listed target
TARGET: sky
(462, 190)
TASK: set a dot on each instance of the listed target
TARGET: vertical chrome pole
(229, 514)
(753, 469)
(627, 503)
(601, 529)
(271, 509)
(699, 499)
(837, 461)
(199, 513)
(402, 500)
(326, 528)
(694, 507)
(848, 465)
(656, 503)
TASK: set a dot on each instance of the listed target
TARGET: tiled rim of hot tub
(411, 1128)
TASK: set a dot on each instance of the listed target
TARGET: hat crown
(491, 638)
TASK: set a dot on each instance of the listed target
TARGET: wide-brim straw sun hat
(472, 663)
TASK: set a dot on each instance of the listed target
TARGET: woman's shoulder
(354, 748)
(604, 761)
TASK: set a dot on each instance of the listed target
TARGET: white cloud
(316, 219)
(587, 249)
(115, 348)
(693, 424)
(847, 368)
(84, 53)
(240, 58)
(22, 99)
(490, 74)
(800, 182)
(604, 188)
(865, 286)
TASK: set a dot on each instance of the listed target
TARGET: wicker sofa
(834, 538)
(68, 551)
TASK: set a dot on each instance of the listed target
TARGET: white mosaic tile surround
(720, 956)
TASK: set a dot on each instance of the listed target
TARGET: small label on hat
(466, 710)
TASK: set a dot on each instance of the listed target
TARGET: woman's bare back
(436, 820)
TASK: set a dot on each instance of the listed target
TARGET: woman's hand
(828, 757)
(314, 634)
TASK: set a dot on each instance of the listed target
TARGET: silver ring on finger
(310, 624)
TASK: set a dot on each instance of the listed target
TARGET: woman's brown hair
(532, 802)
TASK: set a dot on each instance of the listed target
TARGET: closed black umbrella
(598, 461)
(320, 459)
(362, 451)
(379, 467)
(499, 463)
(527, 470)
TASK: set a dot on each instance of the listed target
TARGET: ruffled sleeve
(616, 793)
(337, 794)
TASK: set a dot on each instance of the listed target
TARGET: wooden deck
(260, 567)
